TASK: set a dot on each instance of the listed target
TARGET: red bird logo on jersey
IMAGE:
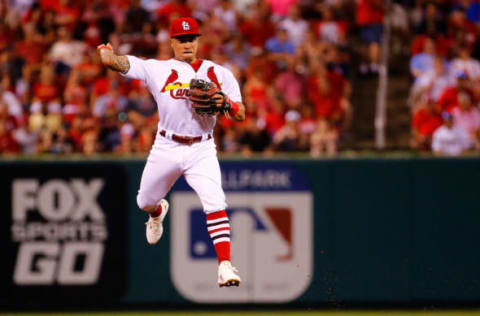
(173, 76)
(213, 77)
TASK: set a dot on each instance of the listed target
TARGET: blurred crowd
(445, 72)
(291, 58)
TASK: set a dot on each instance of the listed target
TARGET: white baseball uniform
(168, 81)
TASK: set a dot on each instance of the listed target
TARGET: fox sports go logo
(57, 224)
(271, 244)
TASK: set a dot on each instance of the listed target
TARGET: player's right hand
(107, 46)
(105, 51)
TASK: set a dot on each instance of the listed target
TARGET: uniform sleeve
(230, 86)
(138, 68)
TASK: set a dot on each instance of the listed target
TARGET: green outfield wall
(366, 232)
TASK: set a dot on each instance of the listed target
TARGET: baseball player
(189, 92)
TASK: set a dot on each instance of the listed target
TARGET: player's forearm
(113, 61)
(116, 63)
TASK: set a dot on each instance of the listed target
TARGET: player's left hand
(207, 98)
(219, 98)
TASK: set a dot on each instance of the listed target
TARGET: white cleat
(155, 224)
(227, 275)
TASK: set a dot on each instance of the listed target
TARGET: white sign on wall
(271, 246)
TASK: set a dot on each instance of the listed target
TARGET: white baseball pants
(168, 160)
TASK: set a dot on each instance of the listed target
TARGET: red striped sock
(157, 212)
(219, 230)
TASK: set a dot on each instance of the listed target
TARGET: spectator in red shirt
(257, 29)
(32, 48)
(67, 13)
(274, 118)
(75, 133)
(442, 44)
(8, 145)
(103, 88)
(449, 98)
(8, 123)
(425, 121)
(369, 17)
(173, 9)
(255, 87)
(46, 89)
(75, 98)
(326, 91)
(87, 70)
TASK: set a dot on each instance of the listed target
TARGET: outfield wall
(305, 233)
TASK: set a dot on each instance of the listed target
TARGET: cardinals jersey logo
(171, 79)
(186, 26)
(180, 90)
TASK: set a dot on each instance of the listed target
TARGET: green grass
(346, 154)
(312, 313)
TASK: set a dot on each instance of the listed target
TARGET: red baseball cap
(184, 26)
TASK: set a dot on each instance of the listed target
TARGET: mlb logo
(271, 246)
(201, 246)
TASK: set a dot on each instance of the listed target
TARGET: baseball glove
(203, 95)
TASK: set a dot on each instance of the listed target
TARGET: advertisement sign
(66, 230)
(270, 211)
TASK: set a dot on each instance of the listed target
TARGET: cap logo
(185, 26)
